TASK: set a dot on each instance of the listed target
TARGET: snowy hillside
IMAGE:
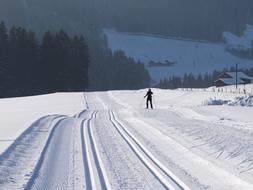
(189, 56)
(242, 42)
(106, 140)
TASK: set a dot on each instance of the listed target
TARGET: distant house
(229, 78)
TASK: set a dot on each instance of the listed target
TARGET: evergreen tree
(78, 63)
(59, 63)
(47, 62)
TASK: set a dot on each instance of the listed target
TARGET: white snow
(118, 144)
(213, 131)
(190, 56)
(19, 113)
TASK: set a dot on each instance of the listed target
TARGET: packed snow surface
(108, 140)
(188, 56)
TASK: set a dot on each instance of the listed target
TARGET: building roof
(232, 80)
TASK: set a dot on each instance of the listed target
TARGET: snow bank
(238, 101)
(216, 102)
(242, 101)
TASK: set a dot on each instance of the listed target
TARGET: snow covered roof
(231, 81)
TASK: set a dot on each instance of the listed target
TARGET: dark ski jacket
(149, 95)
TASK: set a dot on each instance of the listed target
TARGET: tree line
(200, 81)
(115, 71)
(30, 66)
(188, 81)
(57, 62)
(242, 53)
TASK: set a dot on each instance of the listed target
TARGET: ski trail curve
(19, 160)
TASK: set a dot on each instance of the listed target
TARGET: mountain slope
(188, 56)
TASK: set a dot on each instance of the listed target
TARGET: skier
(149, 98)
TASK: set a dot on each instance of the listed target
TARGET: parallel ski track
(30, 183)
(96, 178)
(162, 173)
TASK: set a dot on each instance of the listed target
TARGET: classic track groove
(96, 177)
(163, 174)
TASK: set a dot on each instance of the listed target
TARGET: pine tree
(78, 65)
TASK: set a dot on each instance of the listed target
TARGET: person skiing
(149, 98)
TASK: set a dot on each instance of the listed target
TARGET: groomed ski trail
(141, 163)
(70, 159)
(152, 132)
(95, 174)
(17, 163)
(53, 171)
(163, 174)
(109, 146)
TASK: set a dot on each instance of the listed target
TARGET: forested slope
(199, 19)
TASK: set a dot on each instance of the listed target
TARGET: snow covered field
(190, 56)
(106, 140)
(19, 113)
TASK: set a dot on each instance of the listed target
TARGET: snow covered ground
(19, 113)
(190, 56)
(107, 140)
